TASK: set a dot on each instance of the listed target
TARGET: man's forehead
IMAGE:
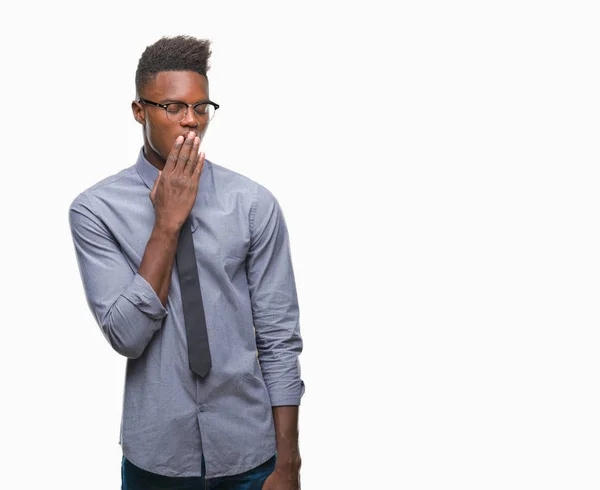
(179, 85)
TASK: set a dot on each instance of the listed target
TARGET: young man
(186, 267)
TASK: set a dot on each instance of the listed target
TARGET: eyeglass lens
(176, 112)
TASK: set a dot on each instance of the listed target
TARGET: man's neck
(154, 158)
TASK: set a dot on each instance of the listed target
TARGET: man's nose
(190, 118)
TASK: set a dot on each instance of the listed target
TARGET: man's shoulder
(227, 176)
(111, 180)
(232, 181)
(109, 183)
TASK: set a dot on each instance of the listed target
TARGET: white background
(437, 165)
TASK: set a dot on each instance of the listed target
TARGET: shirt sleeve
(274, 300)
(124, 304)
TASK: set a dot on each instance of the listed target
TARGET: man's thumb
(153, 191)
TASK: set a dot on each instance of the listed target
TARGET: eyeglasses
(176, 111)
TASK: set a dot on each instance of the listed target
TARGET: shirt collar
(147, 171)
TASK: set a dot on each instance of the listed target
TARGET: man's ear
(138, 112)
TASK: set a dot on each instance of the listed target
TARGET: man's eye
(175, 108)
(200, 108)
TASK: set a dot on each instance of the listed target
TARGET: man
(212, 383)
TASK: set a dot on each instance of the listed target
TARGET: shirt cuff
(144, 298)
(284, 399)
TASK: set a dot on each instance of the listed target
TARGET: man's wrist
(288, 459)
(165, 230)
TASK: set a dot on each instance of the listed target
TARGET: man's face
(160, 133)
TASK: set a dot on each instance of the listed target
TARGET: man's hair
(179, 53)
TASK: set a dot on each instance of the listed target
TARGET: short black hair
(178, 53)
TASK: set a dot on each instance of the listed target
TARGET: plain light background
(437, 165)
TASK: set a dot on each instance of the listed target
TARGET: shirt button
(201, 408)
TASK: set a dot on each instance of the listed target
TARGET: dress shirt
(171, 417)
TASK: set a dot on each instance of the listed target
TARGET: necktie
(193, 309)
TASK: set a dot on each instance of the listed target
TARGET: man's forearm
(286, 432)
(157, 264)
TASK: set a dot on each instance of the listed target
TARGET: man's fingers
(193, 160)
(171, 162)
(185, 153)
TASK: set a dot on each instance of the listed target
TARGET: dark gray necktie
(193, 309)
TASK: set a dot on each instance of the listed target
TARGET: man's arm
(126, 304)
(276, 319)
(286, 474)
(286, 432)
(157, 264)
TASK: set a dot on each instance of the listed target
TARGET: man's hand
(176, 187)
(283, 479)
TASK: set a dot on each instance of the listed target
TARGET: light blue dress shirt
(171, 417)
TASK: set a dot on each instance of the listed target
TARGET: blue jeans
(134, 478)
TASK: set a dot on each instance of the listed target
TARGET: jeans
(134, 478)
